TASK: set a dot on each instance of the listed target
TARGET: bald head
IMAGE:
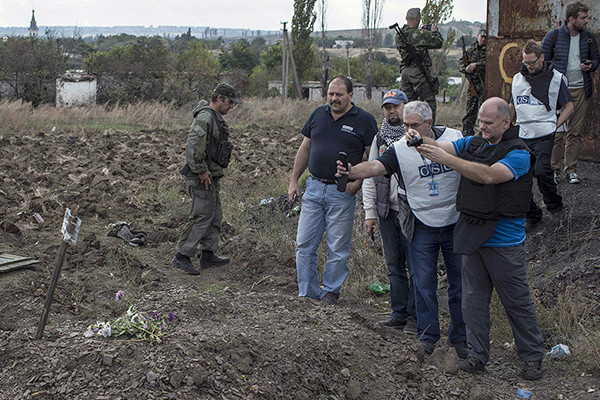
(494, 119)
(497, 105)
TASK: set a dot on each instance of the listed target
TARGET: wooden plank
(9, 262)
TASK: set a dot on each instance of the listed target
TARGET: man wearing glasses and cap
(207, 154)
(538, 92)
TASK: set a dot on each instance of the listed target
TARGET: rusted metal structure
(510, 24)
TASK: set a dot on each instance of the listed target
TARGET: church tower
(33, 28)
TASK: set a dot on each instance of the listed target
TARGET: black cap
(228, 91)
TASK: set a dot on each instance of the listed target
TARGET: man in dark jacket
(574, 53)
(207, 154)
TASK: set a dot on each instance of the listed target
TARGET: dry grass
(19, 117)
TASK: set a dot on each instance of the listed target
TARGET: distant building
(76, 88)
(33, 28)
(311, 91)
(343, 44)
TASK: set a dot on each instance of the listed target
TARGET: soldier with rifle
(413, 44)
(472, 65)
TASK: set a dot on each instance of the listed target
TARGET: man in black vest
(493, 199)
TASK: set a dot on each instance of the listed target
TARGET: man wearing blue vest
(380, 199)
(493, 199)
(330, 129)
(538, 92)
(574, 52)
(428, 215)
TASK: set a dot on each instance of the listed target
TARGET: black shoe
(183, 262)
(330, 298)
(461, 348)
(411, 326)
(427, 345)
(472, 365)
(208, 259)
(392, 323)
(532, 370)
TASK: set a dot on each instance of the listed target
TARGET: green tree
(303, 22)
(371, 21)
(437, 11)
(239, 56)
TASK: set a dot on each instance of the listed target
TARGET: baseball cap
(226, 90)
(394, 96)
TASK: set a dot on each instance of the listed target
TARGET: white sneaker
(573, 177)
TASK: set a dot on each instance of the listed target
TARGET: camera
(587, 62)
(416, 141)
(427, 27)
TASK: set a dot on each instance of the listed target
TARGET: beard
(394, 121)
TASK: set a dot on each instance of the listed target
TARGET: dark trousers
(544, 175)
(423, 251)
(395, 249)
(505, 269)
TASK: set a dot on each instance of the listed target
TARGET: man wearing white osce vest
(427, 194)
(538, 92)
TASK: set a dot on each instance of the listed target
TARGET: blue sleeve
(461, 143)
(563, 95)
(548, 45)
(518, 162)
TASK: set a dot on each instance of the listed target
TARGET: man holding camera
(207, 154)
(493, 199)
(428, 215)
(415, 83)
(574, 53)
(538, 92)
(339, 126)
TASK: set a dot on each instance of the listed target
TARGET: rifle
(468, 75)
(412, 52)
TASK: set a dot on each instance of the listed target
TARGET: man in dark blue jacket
(574, 53)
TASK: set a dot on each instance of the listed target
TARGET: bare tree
(371, 22)
(322, 15)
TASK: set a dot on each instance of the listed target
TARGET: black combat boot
(184, 262)
(208, 259)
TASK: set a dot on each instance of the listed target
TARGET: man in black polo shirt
(337, 126)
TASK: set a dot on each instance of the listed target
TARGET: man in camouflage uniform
(414, 83)
(474, 69)
(207, 154)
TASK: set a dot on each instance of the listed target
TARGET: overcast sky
(251, 14)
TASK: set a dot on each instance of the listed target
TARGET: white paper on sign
(70, 227)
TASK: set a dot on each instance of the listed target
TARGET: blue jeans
(423, 251)
(395, 249)
(323, 207)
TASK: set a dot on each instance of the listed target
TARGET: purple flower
(171, 316)
(155, 315)
(163, 326)
(145, 326)
(119, 295)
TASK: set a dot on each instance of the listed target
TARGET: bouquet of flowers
(133, 323)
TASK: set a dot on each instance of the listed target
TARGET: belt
(325, 181)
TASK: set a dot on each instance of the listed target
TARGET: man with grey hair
(493, 199)
(427, 218)
(415, 66)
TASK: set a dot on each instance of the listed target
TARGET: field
(240, 331)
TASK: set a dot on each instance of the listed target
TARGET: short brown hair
(573, 10)
(532, 47)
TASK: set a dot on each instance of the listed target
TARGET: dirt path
(240, 332)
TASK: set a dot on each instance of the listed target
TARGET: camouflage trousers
(203, 226)
(470, 118)
(416, 87)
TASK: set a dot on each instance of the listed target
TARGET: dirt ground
(240, 331)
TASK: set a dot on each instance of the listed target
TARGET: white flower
(89, 333)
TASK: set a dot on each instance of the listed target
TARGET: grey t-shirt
(574, 74)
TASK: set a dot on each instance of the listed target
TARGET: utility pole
(348, 58)
(291, 57)
(284, 66)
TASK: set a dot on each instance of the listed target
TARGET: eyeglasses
(413, 126)
(531, 63)
(231, 103)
